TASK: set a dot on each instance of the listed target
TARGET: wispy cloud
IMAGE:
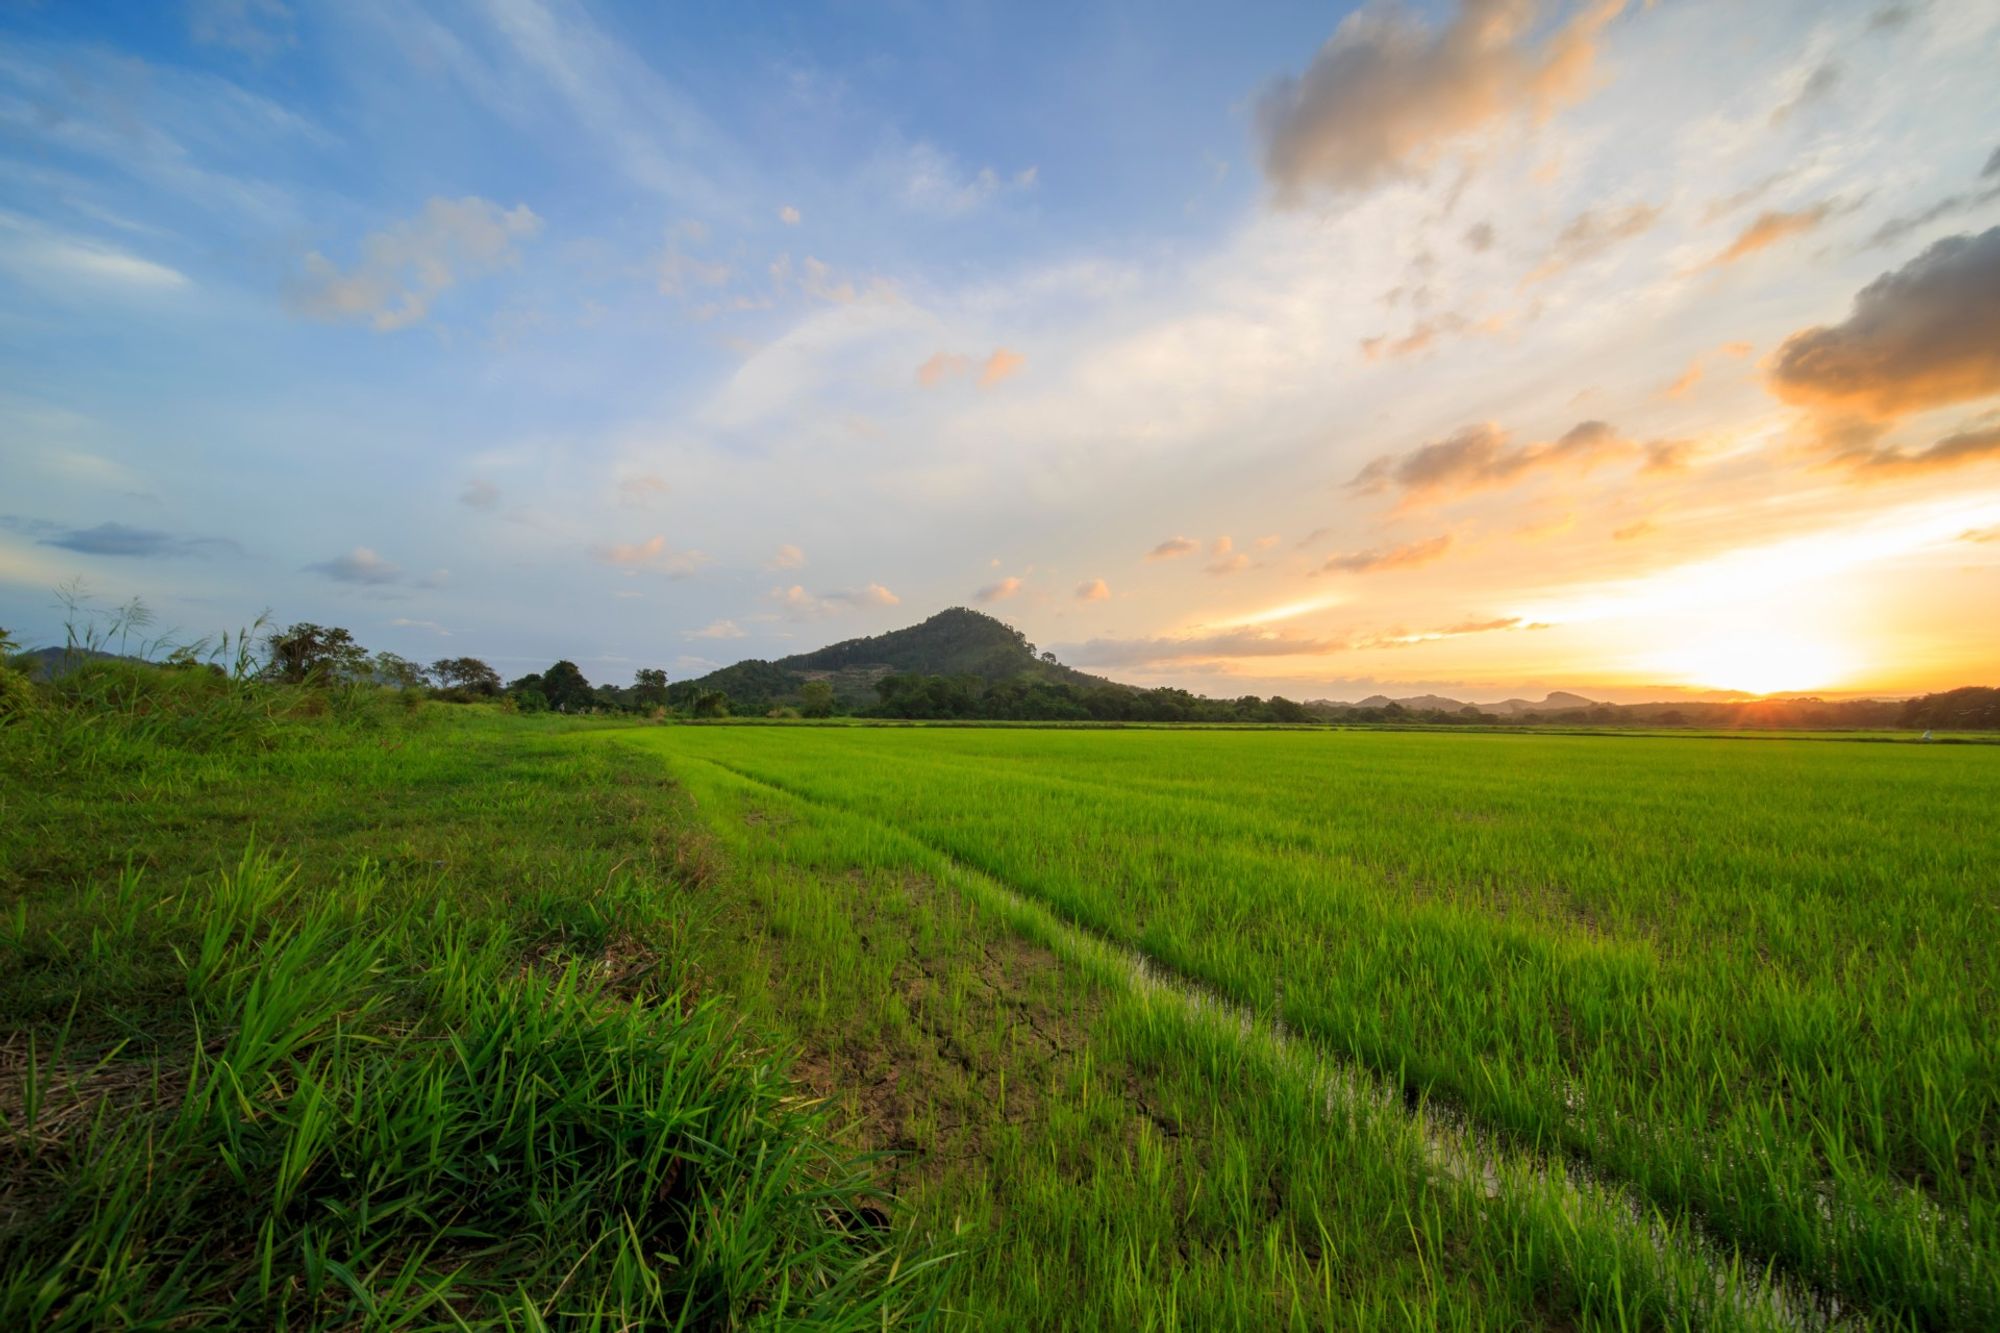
(117, 539)
(1406, 556)
(1172, 547)
(1770, 228)
(796, 602)
(404, 268)
(654, 554)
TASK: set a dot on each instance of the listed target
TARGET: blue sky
(669, 335)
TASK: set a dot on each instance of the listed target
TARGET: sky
(1640, 350)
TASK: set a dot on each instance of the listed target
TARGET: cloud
(1668, 456)
(1479, 458)
(718, 629)
(679, 273)
(1243, 643)
(1699, 366)
(799, 604)
(1591, 233)
(1399, 638)
(1424, 335)
(1093, 590)
(404, 622)
(256, 28)
(1388, 94)
(653, 553)
(1645, 527)
(1964, 201)
(1479, 236)
(360, 565)
(999, 592)
(941, 367)
(1955, 450)
(639, 492)
(1981, 535)
(1689, 378)
(1818, 86)
(1407, 556)
(479, 494)
(1172, 547)
(790, 216)
(117, 539)
(1225, 558)
(1771, 228)
(1003, 364)
(1926, 335)
(50, 257)
(934, 182)
(404, 268)
(787, 557)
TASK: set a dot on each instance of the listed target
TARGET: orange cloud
(1001, 591)
(652, 553)
(1172, 547)
(1395, 557)
(1966, 446)
(941, 367)
(1388, 94)
(1093, 590)
(1771, 228)
(1479, 457)
(1924, 336)
(1003, 364)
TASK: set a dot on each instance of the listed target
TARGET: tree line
(307, 653)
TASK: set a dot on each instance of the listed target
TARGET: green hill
(954, 642)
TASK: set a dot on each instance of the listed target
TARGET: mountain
(1558, 701)
(954, 642)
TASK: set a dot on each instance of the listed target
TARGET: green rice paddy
(332, 1010)
(1747, 989)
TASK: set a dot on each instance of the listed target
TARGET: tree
(816, 699)
(468, 674)
(711, 703)
(649, 686)
(566, 689)
(401, 672)
(315, 654)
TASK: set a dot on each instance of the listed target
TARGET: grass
(328, 1011)
(323, 1012)
(1751, 986)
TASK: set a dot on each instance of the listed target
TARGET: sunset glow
(1487, 349)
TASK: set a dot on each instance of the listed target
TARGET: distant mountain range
(1559, 701)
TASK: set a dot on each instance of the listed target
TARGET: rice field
(338, 1009)
(1624, 1032)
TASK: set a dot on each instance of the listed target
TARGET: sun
(1762, 661)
